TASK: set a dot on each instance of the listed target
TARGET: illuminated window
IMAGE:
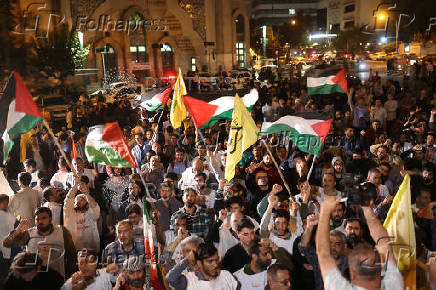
(240, 54)
(291, 11)
(193, 64)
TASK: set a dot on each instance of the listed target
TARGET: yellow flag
(178, 109)
(243, 134)
(399, 225)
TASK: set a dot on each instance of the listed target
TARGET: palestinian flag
(155, 99)
(157, 280)
(307, 130)
(105, 144)
(18, 113)
(205, 114)
(324, 80)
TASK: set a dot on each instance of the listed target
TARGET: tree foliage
(61, 54)
(350, 41)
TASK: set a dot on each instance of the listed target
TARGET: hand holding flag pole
(55, 139)
(278, 169)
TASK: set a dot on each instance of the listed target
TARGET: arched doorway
(110, 64)
(240, 41)
(167, 55)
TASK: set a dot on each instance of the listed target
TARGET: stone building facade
(156, 37)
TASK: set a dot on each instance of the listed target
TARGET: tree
(58, 56)
(349, 41)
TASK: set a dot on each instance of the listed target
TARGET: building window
(240, 53)
(166, 48)
(138, 50)
(138, 53)
(336, 28)
(349, 8)
(193, 64)
(291, 11)
(349, 24)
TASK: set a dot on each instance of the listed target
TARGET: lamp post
(383, 16)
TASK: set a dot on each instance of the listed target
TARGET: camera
(357, 192)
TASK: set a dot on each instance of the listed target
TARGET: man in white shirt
(81, 213)
(60, 177)
(88, 277)
(80, 170)
(52, 196)
(188, 177)
(208, 274)
(254, 274)
(6, 226)
(26, 200)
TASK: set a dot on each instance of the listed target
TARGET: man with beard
(254, 275)
(81, 213)
(124, 247)
(337, 248)
(88, 277)
(353, 231)
(337, 219)
(46, 240)
(167, 205)
(271, 170)
(198, 219)
(136, 192)
(207, 195)
(134, 275)
(208, 274)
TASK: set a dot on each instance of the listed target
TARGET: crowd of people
(72, 224)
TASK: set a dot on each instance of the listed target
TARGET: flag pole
(55, 139)
(278, 169)
(311, 168)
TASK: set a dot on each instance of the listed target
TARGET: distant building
(156, 37)
(346, 14)
(278, 12)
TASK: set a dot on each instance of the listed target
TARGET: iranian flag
(156, 99)
(324, 80)
(105, 144)
(18, 113)
(206, 114)
(307, 130)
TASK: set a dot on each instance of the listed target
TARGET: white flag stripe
(316, 82)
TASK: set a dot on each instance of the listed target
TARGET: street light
(293, 22)
(381, 16)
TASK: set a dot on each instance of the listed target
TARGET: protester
(28, 272)
(176, 195)
(53, 244)
(208, 274)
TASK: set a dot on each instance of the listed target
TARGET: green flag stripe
(24, 125)
(325, 90)
(224, 115)
(305, 142)
(107, 156)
